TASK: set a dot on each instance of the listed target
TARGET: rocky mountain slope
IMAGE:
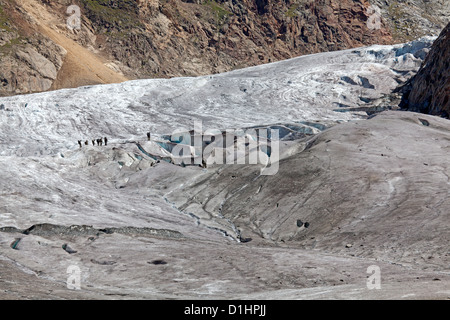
(121, 39)
(429, 90)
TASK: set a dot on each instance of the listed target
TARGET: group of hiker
(99, 142)
(103, 140)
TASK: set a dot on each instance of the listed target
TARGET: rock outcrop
(123, 39)
(29, 61)
(411, 19)
(429, 90)
(31, 68)
(189, 38)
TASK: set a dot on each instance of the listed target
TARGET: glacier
(227, 231)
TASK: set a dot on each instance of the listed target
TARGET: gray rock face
(429, 89)
(31, 68)
(410, 19)
(37, 62)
